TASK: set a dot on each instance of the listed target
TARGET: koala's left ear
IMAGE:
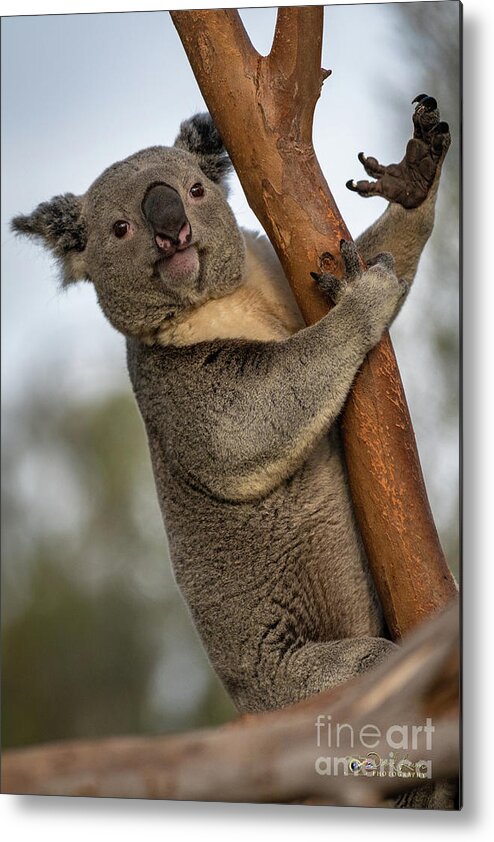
(60, 226)
(200, 136)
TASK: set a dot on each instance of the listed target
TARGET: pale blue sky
(80, 91)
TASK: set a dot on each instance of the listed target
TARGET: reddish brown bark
(263, 107)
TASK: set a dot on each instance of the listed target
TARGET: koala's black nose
(164, 210)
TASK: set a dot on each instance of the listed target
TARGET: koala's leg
(319, 666)
(410, 187)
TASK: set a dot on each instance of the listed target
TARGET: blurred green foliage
(96, 639)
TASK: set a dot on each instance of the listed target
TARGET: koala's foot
(409, 182)
(319, 666)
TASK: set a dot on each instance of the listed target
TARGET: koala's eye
(121, 228)
(197, 190)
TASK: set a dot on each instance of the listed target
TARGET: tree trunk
(263, 108)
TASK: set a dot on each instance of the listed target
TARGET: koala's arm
(246, 414)
(411, 188)
(402, 232)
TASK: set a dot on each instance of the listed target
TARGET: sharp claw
(351, 184)
(419, 98)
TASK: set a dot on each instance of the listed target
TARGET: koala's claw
(335, 287)
(330, 285)
(408, 183)
(351, 259)
(427, 101)
(371, 165)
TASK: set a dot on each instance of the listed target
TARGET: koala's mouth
(179, 264)
(178, 257)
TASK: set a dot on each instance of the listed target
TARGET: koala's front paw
(334, 287)
(408, 183)
(381, 294)
(375, 294)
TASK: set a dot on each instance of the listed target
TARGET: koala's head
(154, 233)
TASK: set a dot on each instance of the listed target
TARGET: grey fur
(201, 137)
(243, 432)
(59, 225)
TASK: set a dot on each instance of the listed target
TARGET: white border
(58, 7)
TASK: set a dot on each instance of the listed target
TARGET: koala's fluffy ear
(200, 136)
(60, 226)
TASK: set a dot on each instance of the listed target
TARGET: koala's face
(154, 233)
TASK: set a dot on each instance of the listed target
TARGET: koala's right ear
(60, 226)
(201, 138)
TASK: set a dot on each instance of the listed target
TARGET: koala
(241, 401)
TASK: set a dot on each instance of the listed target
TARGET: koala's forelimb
(282, 396)
(397, 233)
(411, 188)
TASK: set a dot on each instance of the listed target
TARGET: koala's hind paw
(335, 287)
(408, 183)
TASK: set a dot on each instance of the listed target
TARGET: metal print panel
(231, 445)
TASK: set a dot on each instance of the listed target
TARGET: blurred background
(96, 639)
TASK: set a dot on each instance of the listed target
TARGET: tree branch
(263, 107)
(293, 69)
(271, 757)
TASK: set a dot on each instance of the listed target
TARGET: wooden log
(273, 757)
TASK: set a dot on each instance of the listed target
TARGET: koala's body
(241, 401)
